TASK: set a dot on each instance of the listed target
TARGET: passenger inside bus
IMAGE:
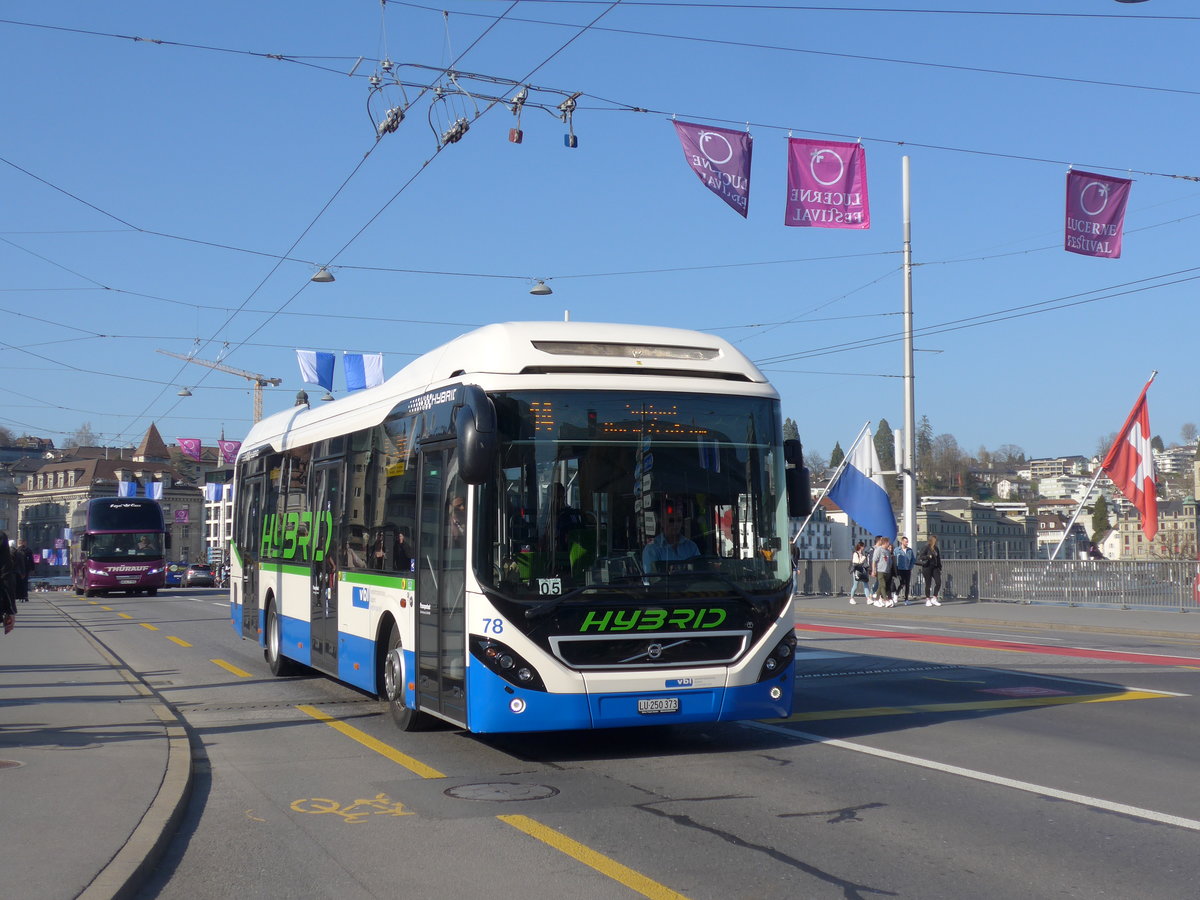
(457, 523)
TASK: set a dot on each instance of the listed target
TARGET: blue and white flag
(362, 370)
(126, 488)
(316, 367)
(212, 492)
(154, 490)
(860, 492)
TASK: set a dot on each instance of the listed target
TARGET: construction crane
(259, 380)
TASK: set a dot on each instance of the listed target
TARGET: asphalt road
(925, 760)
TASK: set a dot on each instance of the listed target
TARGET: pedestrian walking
(859, 567)
(881, 566)
(8, 585)
(23, 566)
(905, 560)
(930, 561)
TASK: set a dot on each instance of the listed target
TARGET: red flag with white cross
(1130, 464)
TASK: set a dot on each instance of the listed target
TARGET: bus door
(323, 588)
(441, 585)
(250, 548)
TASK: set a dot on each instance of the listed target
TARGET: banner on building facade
(190, 447)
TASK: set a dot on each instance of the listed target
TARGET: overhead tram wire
(859, 57)
(765, 7)
(427, 162)
(625, 107)
(988, 318)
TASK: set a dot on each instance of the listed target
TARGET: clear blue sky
(163, 182)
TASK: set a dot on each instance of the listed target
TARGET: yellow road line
(606, 866)
(230, 667)
(969, 706)
(125, 615)
(180, 641)
(148, 626)
(415, 766)
(633, 880)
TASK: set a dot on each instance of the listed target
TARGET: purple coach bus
(119, 544)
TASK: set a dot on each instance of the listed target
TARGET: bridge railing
(1125, 584)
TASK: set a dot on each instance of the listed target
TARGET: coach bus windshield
(602, 494)
(126, 546)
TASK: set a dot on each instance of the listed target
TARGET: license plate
(650, 705)
(127, 581)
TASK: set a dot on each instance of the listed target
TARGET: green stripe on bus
(284, 569)
(392, 581)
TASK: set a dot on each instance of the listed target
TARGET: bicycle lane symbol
(358, 811)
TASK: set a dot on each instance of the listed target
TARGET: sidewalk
(95, 770)
(1150, 623)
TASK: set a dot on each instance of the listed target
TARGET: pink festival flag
(1095, 214)
(190, 447)
(827, 185)
(721, 160)
(229, 451)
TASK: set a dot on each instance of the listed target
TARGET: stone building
(51, 493)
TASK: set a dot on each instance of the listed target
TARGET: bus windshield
(600, 494)
(126, 546)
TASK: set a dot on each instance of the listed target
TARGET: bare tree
(83, 437)
(1188, 432)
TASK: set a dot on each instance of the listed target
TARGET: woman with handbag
(930, 561)
(858, 572)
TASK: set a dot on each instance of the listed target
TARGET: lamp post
(908, 465)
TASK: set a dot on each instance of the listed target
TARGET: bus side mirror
(799, 489)
(478, 443)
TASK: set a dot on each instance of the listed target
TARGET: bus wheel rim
(393, 675)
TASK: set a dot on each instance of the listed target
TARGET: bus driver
(669, 545)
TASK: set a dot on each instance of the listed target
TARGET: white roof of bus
(507, 348)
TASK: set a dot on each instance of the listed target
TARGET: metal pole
(909, 468)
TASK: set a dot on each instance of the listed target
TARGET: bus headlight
(502, 660)
(779, 658)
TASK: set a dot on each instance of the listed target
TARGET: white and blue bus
(537, 526)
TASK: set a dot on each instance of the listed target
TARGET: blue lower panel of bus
(356, 661)
(492, 705)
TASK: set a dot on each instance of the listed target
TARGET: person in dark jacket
(8, 585)
(23, 566)
(930, 562)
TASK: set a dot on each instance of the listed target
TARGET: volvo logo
(654, 651)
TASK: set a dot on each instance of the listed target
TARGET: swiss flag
(1130, 464)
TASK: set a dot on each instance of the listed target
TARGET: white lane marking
(1068, 796)
(1131, 653)
(1023, 638)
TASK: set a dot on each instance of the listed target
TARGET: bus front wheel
(273, 652)
(394, 686)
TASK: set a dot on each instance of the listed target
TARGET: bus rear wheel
(394, 680)
(279, 664)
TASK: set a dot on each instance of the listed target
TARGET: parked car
(198, 575)
(175, 572)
